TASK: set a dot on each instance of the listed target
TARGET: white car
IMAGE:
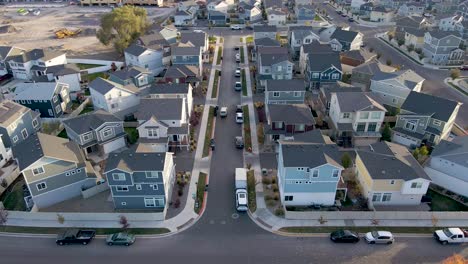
(223, 111)
(238, 72)
(379, 237)
(238, 86)
(241, 200)
(236, 27)
(237, 57)
(239, 118)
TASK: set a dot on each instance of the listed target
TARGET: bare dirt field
(30, 31)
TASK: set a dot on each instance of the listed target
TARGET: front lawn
(329, 229)
(247, 135)
(84, 66)
(444, 203)
(220, 54)
(214, 91)
(99, 231)
(251, 194)
(14, 199)
(244, 83)
(63, 134)
(200, 192)
(242, 54)
(209, 131)
(132, 133)
(92, 76)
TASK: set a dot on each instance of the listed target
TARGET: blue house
(217, 18)
(322, 68)
(17, 123)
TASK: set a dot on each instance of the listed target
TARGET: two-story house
(284, 91)
(6, 154)
(49, 99)
(250, 13)
(394, 87)
(140, 77)
(5, 53)
(161, 42)
(412, 9)
(362, 75)
(314, 47)
(390, 175)
(144, 57)
(54, 169)
(276, 16)
(274, 67)
(140, 180)
(195, 39)
(218, 6)
(264, 31)
(447, 166)
(326, 91)
(192, 56)
(305, 13)
(381, 14)
(24, 64)
(97, 132)
(299, 36)
(322, 68)
(182, 74)
(217, 18)
(69, 74)
(403, 24)
(344, 40)
(356, 117)
(17, 123)
(424, 118)
(114, 98)
(285, 120)
(266, 43)
(443, 48)
(415, 37)
(184, 18)
(456, 23)
(173, 90)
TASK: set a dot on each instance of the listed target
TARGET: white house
(5, 153)
(220, 6)
(381, 14)
(63, 73)
(447, 166)
(152, 60)
(5, 53)
(276, 16)
(412, 9)
(25, 64)
(184, 18)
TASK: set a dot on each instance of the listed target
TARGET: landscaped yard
(214, 92)
(132, 133)
(242, 54)
(249, 39)
(329, 229)
(247, 135)
(14, 198)
(443, 203)
(244, 83)
(251, 195)
(63, 134)
(92, 76)
(220, 53)
(87, 109)
(84, 66)
(209, 131)
(200, 192)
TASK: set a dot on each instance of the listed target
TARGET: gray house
(5, 53)
(424, 118)
(187, 55)
(284, 91)
(140, 180)
(298, 36)
(17, 123)
(140, 77)
(97, 132)
(264, 31)
(274, 67)
(363, 74)
(54, 169)
(443, 48)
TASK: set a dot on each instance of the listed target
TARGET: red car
(464, 68)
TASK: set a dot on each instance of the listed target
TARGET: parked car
(239, 142)
(379, 237)
(237, 57)
(238, 72)
(339, 12)
(237, 27)
(239, 109)
(223, 112)
(351, 19)
(464, 68)
(215, 111)
(75, 236)
(120, 239)
(451, 235)
(236, 48)
(238, 86)
(343, 15)
(239, 118)
(344, 236)
(6, 77)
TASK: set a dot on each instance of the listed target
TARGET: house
(184, 18)
(173, 90)
(284, 91)
(381, 14)
(217, 18)
(169, 33)
(182, 74)
(443, 48)
(314, 47)
(140, 77)
(394, 87)
(352, 58)
(17, 123)
(412, 9)
(285, 120)
(276, 16)
(264, 31)
(365, 9)
(344, 40)
(299, 36)
(24, 64)
(356, 5)
(305, 13)
(463, 9)
(140, 180)
(186, 5)
(120, 100)
(425, 119)
(308, 173)
(191, 56)
(415, 37)
(357, 118)
(446, 6)
(390, 175)
(64, 73)
(322, 68)
(49, 99)
(266, 42)
(6, 52)
(327, 90)
(96, 132)
(456, 23)
(361, 75)
(447, 166)
(274, 67)
(143, 57)
(5, 153)
(195, 39)
(218, 6)
(54, 169)
(159, 43)
(402, 24)
(163, 122)
(249, 12)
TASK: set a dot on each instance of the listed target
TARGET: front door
(175, 138)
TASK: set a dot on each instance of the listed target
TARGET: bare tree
(60, 219)
(3, 216)
(124, 222)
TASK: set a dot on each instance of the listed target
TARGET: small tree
(455, 259)
(389, 62)
(410, 48)
(400, 42)
(423, 151)
(346, 160)
(124, 222)
(60, 219)
(3, 216)
(416, 153)
(390, 37)
(455, 73)
(387, 133)
(4, 183)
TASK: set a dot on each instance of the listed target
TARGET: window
(87, 137)
(15, 139)
(55, 98)
(307, 41)
(297, 94)
(346, 115)
(38, 170)
(372, 127)
(416, 185)
(276, 94)
(121, 188)
(335, 173)
(299, 128)
(73, 172)
(152, 132)
(361, 127)
(279, 125)
(138, 187)
(13, 126)
(58, 109)
(152, 174)
(41, 186)
(63, 93)
(436, 122)
(386, 197)
(118, 176)
(28, 101)
(392, 182)
(288, 198)
(364, 115)
(376, 197)
(315, 173)
(279, 68)
(35, 123)
(154, 202)
(376, 115)
(300, 169)
(107, 132)
(24, 133)
(315, 75)
(155, 187)
(411, 124)
(335, 76)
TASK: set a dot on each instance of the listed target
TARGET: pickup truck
(451, 235)
(75, 236)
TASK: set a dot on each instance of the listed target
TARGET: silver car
(379, 237)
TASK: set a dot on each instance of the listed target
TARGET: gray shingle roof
(272, 50)
(353, 54)
(309, 137)
(310, 155)
(163, 88)
(11, 111)
(344, 35)
(338, 88)
(357, 101)
(270, 59)
(129, 73)
(130, 161)
(161, 109)
(385, 160)
(90, 121)
(267, 42)
(407, 78)
(420, 103)
(177, 71)
(60, 70)
(285, 85)
(455, 150)
(440, 34)
(196, 38)
(135, 49)
(264, 28)
(315, 47)
(291, 114)
(322, 61)
(186, 51)
(103, 86)
(36, 54)
(4, 50)
(37, 91)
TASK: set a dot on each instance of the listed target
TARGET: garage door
(113, 145)
(404, 140)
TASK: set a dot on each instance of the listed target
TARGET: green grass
(209, 130)
(220, 53)
(63, 134)
(84, 66)
(99, 231)
(458, 88)
(251, 194)
(200, 191)
(132, 133)
(329, 229)
(247, 135)
(317, 18)
(444, 203)
(244, 83)
(212, 40)
(14, 200)
(92, 76)
(87, 109)
(242, 54)
(241, 39)
(214, 91)
(249, 39)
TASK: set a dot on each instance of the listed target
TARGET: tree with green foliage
(389, 62)
(346, 160)
(387, 133)
(454, 73)
(416, 153)
(122, 27)
(423, 151)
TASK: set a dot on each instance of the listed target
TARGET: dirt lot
(38, 31)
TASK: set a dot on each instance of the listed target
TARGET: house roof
(455, 150)
(353, 54)
(36, 54)
(165, 88)
(65, 69)
(344, 35)
(264, 28)
(316, 47)
(290, 114)
(196, 38)
(89, 121)
(155, 40)
(103, 86)
(182, 13)
(135, 49)
(130, 160)
(285, 85)
(11, 111)
(161, 109)
(186, 51)
(213, 14)
(411, 21)
(338, 87)
(357, 101)
(272, 50)
(319, 62)
(386, 160)
(266, 42)
(405, 78)
(37, 91)
(42, 145)
(438, 107)
(381, 8)
(310, 155)
(372, 67)
(415, 31)
(4, 50)
(309, 137)
(129, 73)
(300, 34)
(270, 59)
(272, 3)
(177, 71)
(440, 34)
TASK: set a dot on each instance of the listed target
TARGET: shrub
(346, 160)
(401, 42)
(274, 187)
(387, 133)
(180, 192)
(270, 203)
(273, 179)
(276, 197)
(266, 181)
(455, 73)
(423, 151)
(268, 197)
(279, 212)
(371, 49)
(389, 62)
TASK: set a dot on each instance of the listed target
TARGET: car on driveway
(344, 236)
(236, 48)
(379, 237)
(239, 142)
(239, 118)
(339, 12)
(238, 86)
(238, 72)
(120, 239)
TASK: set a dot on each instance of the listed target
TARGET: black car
(351, 19)
(344, 236)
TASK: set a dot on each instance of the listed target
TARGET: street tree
(122, 27)
(3, 216)
(454, 73)
(346, 160)
(124, 222)
(387, 133)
